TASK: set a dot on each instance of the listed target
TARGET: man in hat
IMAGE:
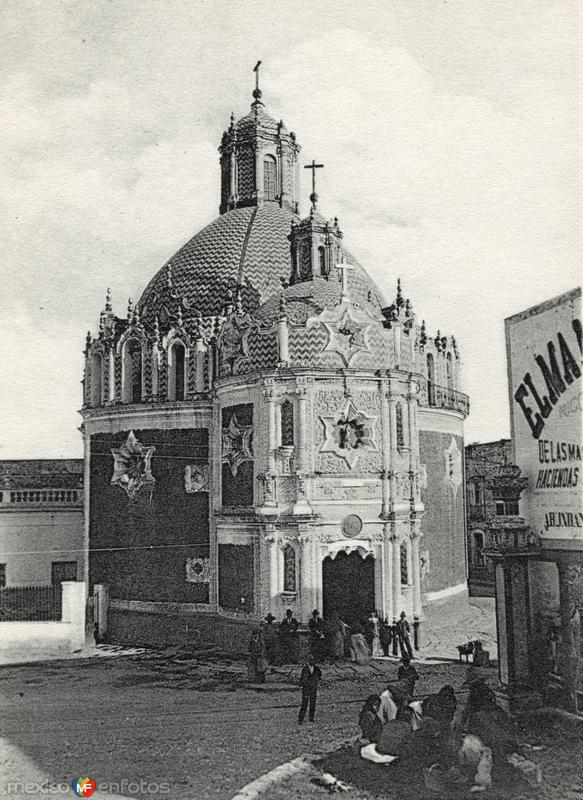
(404, 634)
(270, 638)
(288, 629)
(309, 679)
(316, 628)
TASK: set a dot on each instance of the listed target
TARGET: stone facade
(334, 422)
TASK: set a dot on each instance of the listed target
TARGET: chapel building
(262, 430)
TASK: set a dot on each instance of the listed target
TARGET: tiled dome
(248, 247)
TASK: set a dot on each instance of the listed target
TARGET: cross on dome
(313, 166)
(344, 267)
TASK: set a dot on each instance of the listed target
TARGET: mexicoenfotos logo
(83, 787)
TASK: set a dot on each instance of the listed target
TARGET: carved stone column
(396, 548)
(387, 558)
(307, 578)
(386, 439)
(199, 372)
(416, 571)
(302, 505)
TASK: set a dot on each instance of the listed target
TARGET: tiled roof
(246, 246)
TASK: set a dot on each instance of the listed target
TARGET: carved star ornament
(237, 444)
(132, 466)
(349, 434)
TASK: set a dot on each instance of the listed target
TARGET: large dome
(248, 247)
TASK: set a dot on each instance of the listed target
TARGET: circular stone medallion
(351, 526)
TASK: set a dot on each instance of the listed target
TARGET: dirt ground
(195, 725)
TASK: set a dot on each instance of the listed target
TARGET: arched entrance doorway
(348, 584)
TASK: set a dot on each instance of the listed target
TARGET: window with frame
(287, 424)
(479, 558)
(477, 494)
(63, 571)
(430, 380)
(399, 426)
(289, 569)
(322, 261)
(269, 178)
(176, 362)
(96, 379)
(404, 565)
(500, 508)
(512, 508)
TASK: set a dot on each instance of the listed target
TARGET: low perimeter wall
(21, 642)
(161, 625)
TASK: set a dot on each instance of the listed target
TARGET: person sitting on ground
(369, 722)
(441, 706)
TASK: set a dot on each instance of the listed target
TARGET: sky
(449, 131)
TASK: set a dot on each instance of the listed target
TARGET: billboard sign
(544, 348)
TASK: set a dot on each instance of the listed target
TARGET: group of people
(362, 641)
(454, 750)
(333, 639)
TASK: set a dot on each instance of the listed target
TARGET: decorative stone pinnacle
(282, 306)
(88, 339)
(407, 308)
(198, 326)
(130, 310)
(136, 316)
(423, 334)
(108, 307)
(169, 276)
(179, 320)
(399, 301)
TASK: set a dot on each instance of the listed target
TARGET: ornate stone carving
(237, 444)
(131, 468)
(349, 434)
(196, 478)
(198, 570)
(338, 490)
(453, 465)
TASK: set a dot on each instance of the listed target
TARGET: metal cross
(313, 166)
(344, 267)
(256, 71)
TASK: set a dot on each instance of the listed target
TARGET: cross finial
(313, 197)
(257, 90)
(344, 267)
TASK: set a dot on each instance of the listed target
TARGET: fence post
(100, 607)
(73, 602)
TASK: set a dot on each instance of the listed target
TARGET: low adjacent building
(486, 510)
(41, 522)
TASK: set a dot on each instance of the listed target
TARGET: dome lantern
(259, 160)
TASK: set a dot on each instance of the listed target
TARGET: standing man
(404, 634)
(309, 679)
(270, 637)
(288, 629)
(386, 635)
(316, 627)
